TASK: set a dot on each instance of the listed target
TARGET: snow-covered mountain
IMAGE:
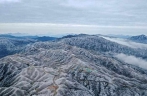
(81, 65)
(139, 38)
(10, 44)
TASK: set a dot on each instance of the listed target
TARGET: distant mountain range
(75, 65)
(39, 38)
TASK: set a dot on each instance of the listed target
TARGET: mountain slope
(13, 44)
(10, 46)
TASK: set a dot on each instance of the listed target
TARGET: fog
(127, 43)
(132, 60)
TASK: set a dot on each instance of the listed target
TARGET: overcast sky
(74, 16)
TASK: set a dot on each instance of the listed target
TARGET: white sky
(58, 29)
(73, 16)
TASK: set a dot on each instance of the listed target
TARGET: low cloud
(132, 60)
(127, 43)
(93, 12)
(9, 1)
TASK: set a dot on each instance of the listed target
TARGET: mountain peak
(139, 37)
(142, 35)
